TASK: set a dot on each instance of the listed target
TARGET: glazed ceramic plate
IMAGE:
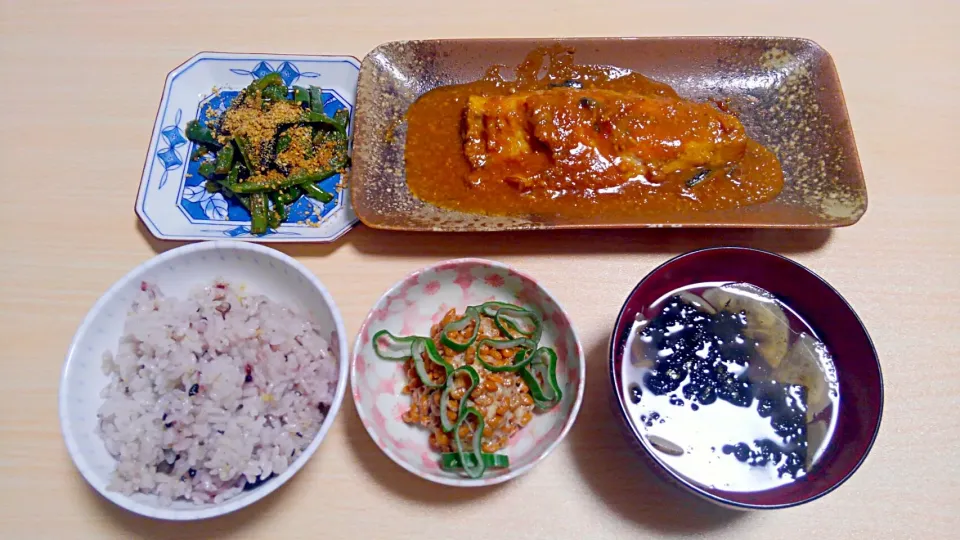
(784, 90)
(173, 202)
(411, 307)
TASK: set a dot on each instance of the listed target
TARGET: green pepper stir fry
(537, 366)
(270, 147)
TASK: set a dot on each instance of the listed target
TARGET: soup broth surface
(730, 388)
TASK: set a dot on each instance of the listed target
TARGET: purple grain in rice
(206, 435)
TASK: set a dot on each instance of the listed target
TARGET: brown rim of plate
(786, 91)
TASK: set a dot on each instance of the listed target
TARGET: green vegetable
(445, 421)
(201, 135)
(342, 117)
(243, 147)
(313, 191)
(316, 99)
(518, 322)
(273, 215)
(207, 169)
(245, 201)
(283, 142)
(543, 368)
(520, 359)
(313, 117)
(289, 195)
(260, 185)
(450, 461)
(224, 161)
(279, 207)
(390, 347)
(536, 366)
(424, 346)
(258, 213)
(253, 174)
(471, 459)
(490, 309)
(471, 316)
(275, 93)
(268, 80)
(301, 95)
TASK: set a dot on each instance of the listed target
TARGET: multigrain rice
(212, 395)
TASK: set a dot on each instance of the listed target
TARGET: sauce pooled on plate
(563, 140)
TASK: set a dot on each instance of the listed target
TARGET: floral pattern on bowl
(173, 201)
(411, 307)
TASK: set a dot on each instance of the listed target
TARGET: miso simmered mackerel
(730, 387)
(270, 147)
(569, 140)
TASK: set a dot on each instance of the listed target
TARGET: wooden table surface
(80, 83)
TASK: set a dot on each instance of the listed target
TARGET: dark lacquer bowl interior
(858, 368)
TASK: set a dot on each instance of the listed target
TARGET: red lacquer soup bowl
(834, 321)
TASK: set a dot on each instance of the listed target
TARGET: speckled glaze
(411, 307)
(785, 91)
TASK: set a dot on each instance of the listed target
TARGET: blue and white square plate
(173, 201)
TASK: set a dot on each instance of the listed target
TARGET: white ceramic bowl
(411, 307)
(177, 272)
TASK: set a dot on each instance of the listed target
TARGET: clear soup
(730, 387)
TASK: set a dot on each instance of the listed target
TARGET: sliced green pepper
(258, 213)
(445, 421)
(270, 79)
(490, 309)
(275, 93)
(315, 192)
(316, 99)
(201, 134)
(243, 147)
(521, 359)
(231, 179)
(253, 185)
(470, 316)
(342, 117)
(283, 142)
(278, 206)
(207, 169)
(518, 322)
(301, 95)
(245, 202)
(289, 195)
(472, 459)
(423, 345)
(315, 117)
(546, 395)
(273, 218)
(390, 347)
(224, 161)
(450, 461)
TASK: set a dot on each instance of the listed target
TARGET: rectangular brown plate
(785, 91)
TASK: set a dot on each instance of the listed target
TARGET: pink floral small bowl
(411, 307)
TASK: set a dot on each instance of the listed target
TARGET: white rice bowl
(172, 403)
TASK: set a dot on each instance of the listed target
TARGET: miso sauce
(739, 396)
